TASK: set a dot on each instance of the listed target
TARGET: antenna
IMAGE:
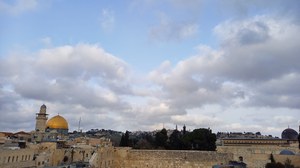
(79, 124)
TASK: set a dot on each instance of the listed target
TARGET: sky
(228, 65)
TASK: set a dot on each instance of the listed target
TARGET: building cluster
(51, 145)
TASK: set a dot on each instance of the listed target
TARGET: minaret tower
(41, 119)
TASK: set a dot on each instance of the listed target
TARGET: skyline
(136, 65)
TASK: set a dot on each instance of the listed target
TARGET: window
(13, 159)
(8, 159)
(17, 158)
(241, 158)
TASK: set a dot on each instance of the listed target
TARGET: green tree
(203, 139)
(272, 158)
(161, 138)
(125, 139)
(122, 142)
(175, 141)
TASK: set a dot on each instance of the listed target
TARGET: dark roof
(289, 134)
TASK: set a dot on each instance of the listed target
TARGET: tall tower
(41, 119)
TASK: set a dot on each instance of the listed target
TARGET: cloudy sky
(229, 65)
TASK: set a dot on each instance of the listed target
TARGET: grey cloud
(251, 31)
(279, 92)
(238, 72)
(12, 116)
(280, 8)
(258, 32)
(262, 60)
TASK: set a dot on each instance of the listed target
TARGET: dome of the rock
(57, 122)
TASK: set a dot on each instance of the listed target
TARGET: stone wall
(17, 158)
(75, 155)
(295, 160)
(256, 156)
(127, 158)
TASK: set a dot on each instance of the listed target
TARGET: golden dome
(57, 122)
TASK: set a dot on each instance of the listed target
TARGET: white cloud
(168, 30)
(251, 75)
(254, 67)
(196, 121)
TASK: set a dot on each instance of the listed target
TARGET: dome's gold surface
(57, 122)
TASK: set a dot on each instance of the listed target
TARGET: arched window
(65, 159)
(8, 159)
(241, 159)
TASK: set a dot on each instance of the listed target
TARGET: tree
(299, 140)
(125, 139)
(273, 163)
(122, 142)
(202, 139)
(143, 144)
(175, 141)
(161, 138)
(272, 158)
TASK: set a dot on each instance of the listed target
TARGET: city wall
(258, 156)
(127, 158)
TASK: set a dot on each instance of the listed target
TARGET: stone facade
(17, 158)
(128, 158)
(41, 120)
(258, 156)
(101, 154)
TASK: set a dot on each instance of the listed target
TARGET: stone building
(255, 152)
(56, 128)
(51, 147)
(41, 119)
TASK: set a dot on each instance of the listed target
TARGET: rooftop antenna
(79, 124)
